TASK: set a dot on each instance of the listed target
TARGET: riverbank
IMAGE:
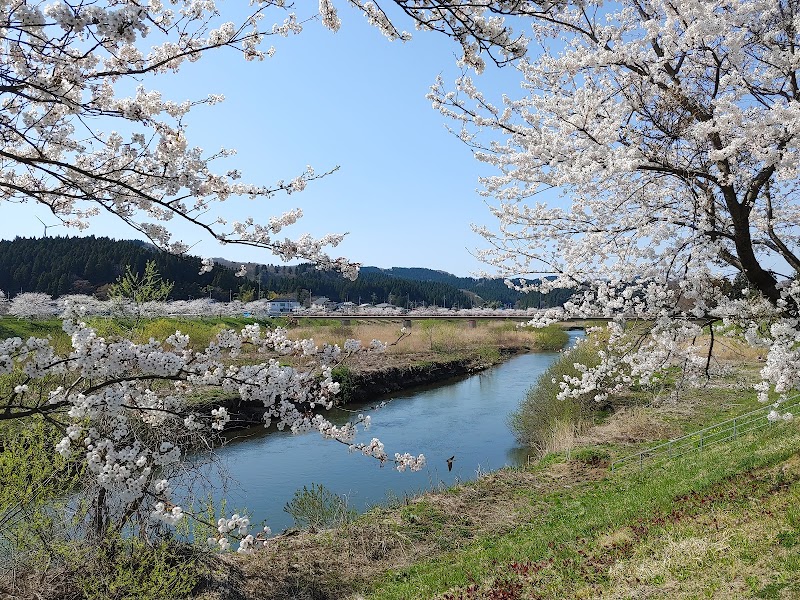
(368, 382)
(371, 378)
(721, 523)
(433, 353)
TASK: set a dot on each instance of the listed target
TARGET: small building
(322, 303)
(278, 306)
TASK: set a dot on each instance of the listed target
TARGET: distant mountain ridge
(87, 265)
(415, 273)
(489, 290)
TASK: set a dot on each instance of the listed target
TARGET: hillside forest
(60, 266)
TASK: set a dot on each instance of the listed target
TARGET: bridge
(407, 319)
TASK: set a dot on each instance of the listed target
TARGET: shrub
(318, 508)
(545, 423)
(35, 488)
(591, 456)
(344, 377)
(550, 338)
(129, 569)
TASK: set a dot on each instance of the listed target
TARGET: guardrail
(697, 441)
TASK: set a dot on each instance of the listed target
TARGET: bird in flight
(450, 462)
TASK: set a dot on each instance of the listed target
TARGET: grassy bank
(424, 337)
(546, 423)
(632, 532)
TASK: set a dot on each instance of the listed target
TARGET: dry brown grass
(729, 350)
(562, 436)
(49, 584)
(441, 336)
(629, 425)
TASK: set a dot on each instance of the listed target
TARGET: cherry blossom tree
(650, 153)
(32, 305)
(661, 130)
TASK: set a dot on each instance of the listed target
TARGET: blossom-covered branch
(650, 162)
(129, 419)
(62, 113)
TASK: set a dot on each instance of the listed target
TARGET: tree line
(89, 265)
(59, 266)
(492, 291)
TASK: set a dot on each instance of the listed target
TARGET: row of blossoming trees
(650, 150)
(35, 305)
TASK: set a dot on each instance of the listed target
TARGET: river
(466, 418)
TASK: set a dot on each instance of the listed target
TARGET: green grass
(24, 328)
(11, 327)
(489, 354)
(561, 520)
(550, 339)
(318, 323)
(129, 569)
(736, 541)
(542, 415)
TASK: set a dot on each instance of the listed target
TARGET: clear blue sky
(406, 188)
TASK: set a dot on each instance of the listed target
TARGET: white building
(278, 306)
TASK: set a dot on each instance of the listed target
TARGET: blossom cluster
(239, 525)
(480, 28)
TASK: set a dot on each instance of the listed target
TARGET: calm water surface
(467, 418)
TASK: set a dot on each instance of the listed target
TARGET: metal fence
(698, 440)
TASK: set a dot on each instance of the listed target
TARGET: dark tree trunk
(762, 279)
